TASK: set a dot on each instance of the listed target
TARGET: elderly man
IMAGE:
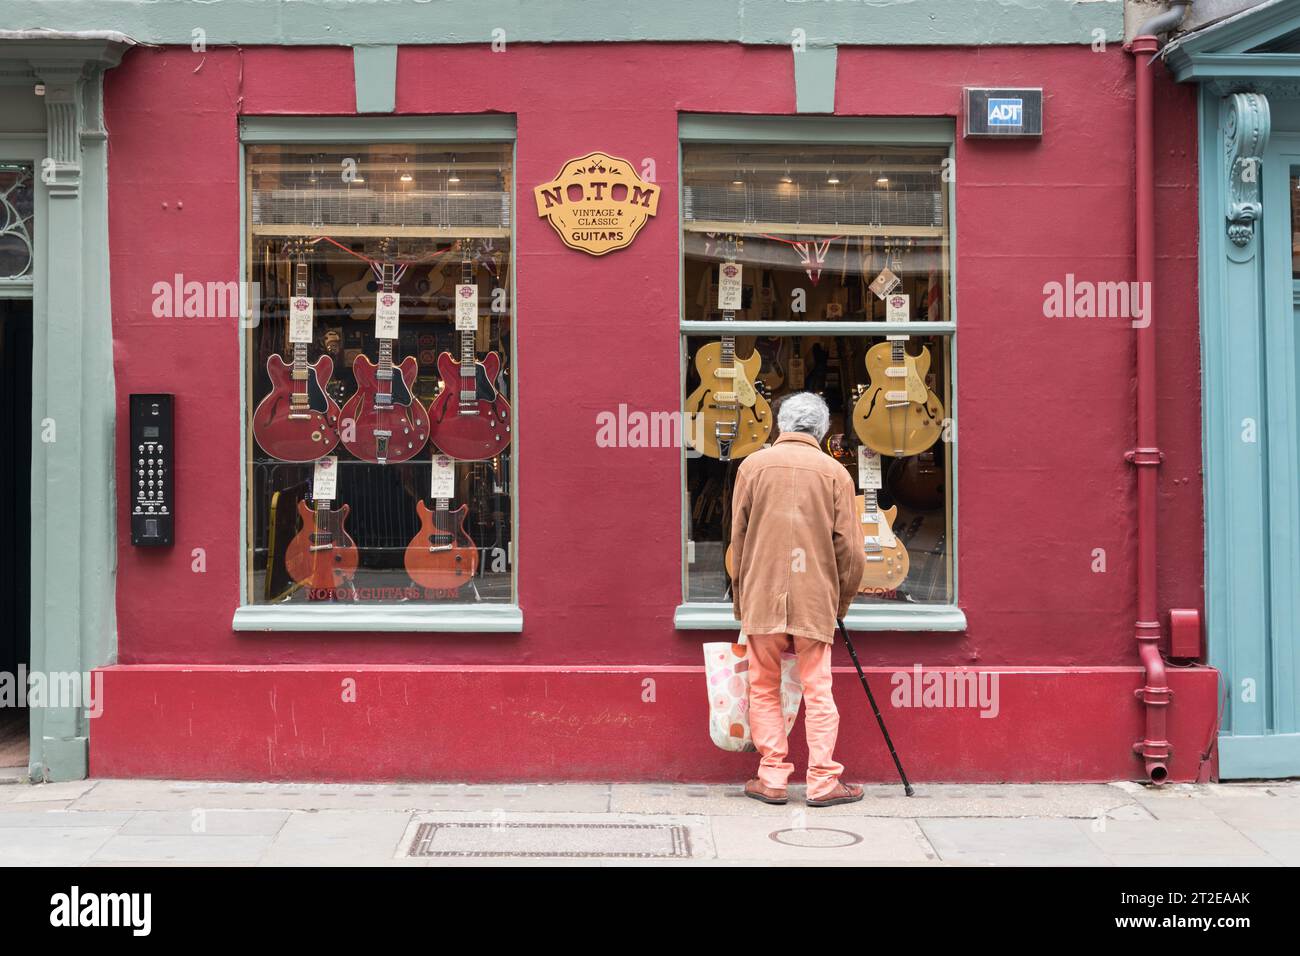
(797, 550)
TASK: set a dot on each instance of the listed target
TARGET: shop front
(434, 361)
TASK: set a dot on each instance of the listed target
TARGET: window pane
(819, 228)
(17, 208)
(889, 398)
(380, 374)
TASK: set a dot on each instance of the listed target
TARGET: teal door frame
(73, 545)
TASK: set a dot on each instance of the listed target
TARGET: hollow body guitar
(898, 414)
(726, 416)
(469, 418)
(297, 420)
(441, 556)
(383, 421)
(887, 561)
(322, 555)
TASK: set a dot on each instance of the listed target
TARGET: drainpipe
(1146, 456)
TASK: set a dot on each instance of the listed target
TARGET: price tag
(898, 308)
(444, 477)
(324, 478)
(884, 283)
(387, 306)
(300, 310)
(869, 475)
(466, 307)
(730, 291)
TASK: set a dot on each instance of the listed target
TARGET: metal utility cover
(634, 840)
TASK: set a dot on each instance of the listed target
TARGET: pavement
(181, 823)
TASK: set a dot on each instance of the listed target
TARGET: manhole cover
(640, 840)
(820, 837)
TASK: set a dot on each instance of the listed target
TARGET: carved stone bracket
(1246, 134)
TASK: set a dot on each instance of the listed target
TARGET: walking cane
(907, 787)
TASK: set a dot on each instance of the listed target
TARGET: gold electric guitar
(887, 561)
(726, 416)
(898, 414)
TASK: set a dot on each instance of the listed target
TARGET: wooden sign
(597, 203)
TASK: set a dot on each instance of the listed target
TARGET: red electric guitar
(322, 556)
(298, 420)
(383, 421)
(441, 556)
(470, 418)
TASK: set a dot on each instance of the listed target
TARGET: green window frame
(464, 618)
(822, 131)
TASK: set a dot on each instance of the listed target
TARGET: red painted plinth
(501, 723)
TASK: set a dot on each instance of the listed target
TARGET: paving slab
(189, 848)
(205, 822)
(1283, 846)
(63, 819)
(1176, 837)
(51, 846)
(184, 795)
(51, 792)
(861, 840)
(338, 838)
(1011, 800)
(1019, 842)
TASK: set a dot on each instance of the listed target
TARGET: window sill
(916, 617)
(490, 619)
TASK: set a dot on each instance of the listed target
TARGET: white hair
(804, 412)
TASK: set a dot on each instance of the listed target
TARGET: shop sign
(597, 203)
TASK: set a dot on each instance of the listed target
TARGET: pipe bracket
(1144, 456)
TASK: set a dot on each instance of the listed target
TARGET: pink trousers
(821, 720)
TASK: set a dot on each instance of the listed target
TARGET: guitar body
(405, 420)
(454, 562)
(329, 567)
(358, 296)
(754, 422)
(473, 436)
(886, 569)
(917, 483)
(302, 435)
(771, 350)
(914, 425)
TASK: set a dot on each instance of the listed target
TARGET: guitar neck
(300, 289)
(467, 351)
(386, 345)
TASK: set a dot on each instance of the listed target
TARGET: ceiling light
(406, 177)
(833, 180)
(882, 181)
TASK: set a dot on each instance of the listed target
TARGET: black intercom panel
(153, 482)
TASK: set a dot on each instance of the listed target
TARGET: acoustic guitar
(887, 561)
(470, 418)
(898, 414)
(298, 419)
(441, 556)
(383, 421)
(322, 555)
(726, 416)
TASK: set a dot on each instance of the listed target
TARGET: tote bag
(726, 671)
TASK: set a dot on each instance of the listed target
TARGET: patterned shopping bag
(726, 671)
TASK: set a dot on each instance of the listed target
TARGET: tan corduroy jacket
(796, 542)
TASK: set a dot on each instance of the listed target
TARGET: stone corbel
(1246, 134)
(61, 168)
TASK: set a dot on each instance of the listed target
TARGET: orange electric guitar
(322, 555)
(441, 556)
(887, 561)
(898, 414)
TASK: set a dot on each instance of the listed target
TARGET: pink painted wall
(1046, 404)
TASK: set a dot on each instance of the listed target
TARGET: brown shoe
(755, 789)
(843, 793)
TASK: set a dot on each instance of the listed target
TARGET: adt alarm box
(1004, 112)
(153, 485)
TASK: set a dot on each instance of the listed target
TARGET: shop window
(823, 269)
(379, 392)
